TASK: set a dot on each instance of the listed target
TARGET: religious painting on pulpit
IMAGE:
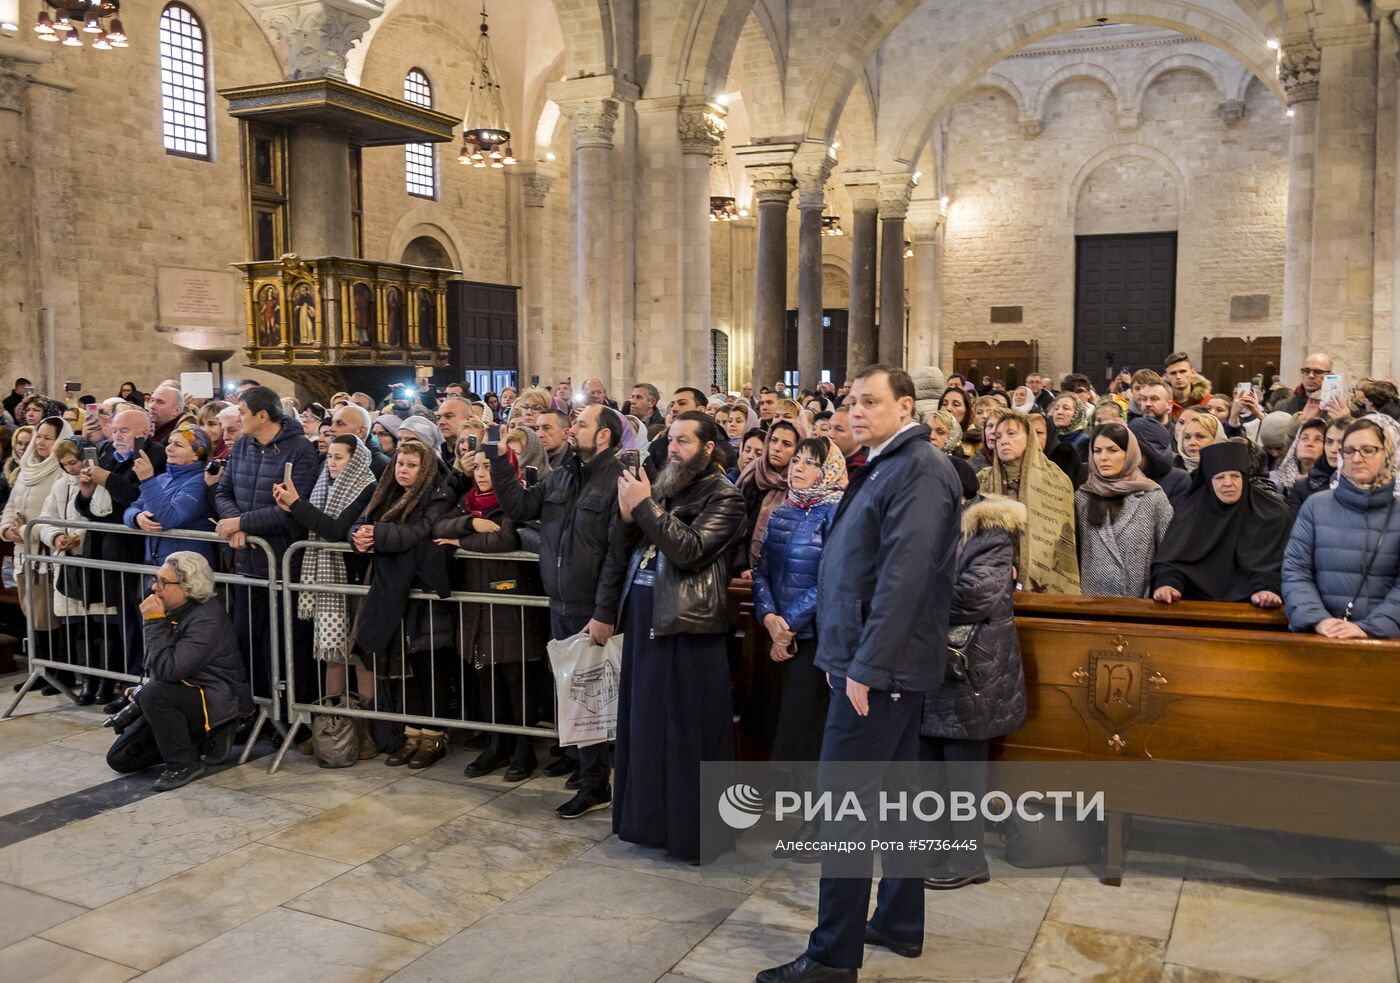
(427, 319)
(304, 313)
(393, 317)
(268, 315)
(362, 313)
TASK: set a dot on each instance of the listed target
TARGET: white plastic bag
(586, 678)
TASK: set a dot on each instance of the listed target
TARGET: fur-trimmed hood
(990, 512)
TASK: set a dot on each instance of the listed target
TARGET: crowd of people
(641, 515)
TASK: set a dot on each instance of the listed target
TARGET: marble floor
(373, 873)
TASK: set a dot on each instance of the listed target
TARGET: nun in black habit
(1227, 536)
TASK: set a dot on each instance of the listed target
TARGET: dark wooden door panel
(1125, 302)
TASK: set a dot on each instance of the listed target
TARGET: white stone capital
(895, 190)
(863, 187)
(701, 130)
(769, 166)
(1299, 68)
(317, 35)
(535, 183)
(591, 105)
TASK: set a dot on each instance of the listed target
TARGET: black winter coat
(692, 534)
(583, 542)
(405, 557)
(124, 488)
(195, 644)
(499, 633)
(994, 702)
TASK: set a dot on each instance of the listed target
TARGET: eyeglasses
(1314, 371)
(1365, 452)
(162, 582)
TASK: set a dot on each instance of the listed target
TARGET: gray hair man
(197, 689)
(354, 420)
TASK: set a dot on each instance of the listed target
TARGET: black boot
(106, 689)
(495, 756)
(523, 761)
(87, 696)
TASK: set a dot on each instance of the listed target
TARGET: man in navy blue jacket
(245, 506)
(884, 589)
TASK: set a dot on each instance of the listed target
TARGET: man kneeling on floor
(197, 688)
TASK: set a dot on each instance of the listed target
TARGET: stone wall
(1107, 153)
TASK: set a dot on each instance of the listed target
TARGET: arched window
(184, 83)
(419, 159)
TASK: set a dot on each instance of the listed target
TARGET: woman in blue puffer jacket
(176, 498)
(1341, 569)
(785, 592)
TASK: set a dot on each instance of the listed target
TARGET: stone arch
(994, 80)
(1182, 62)
(416, 225)
(865, 30)
(590, 44)
(543, 121)
(759, 57)
(857, 126)
(1155, 155)
(702, 46)
(1082, 70)
(836, 282)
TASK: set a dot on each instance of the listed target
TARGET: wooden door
(482, 328)
(1125, 302)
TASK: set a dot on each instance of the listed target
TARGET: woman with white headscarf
(39, 469)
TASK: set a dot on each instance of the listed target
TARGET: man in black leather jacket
(583, 555)
(674, 709)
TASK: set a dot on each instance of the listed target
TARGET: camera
(126, 716)
(214, 467)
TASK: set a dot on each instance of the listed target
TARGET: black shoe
(905, 949)
(582, 805)
(486, 762)
(87, 696)
(951, 882)
(522, 763)
(49, 690)
(115, 706)
(174, 778)
(219, 745)
(106, 689)
(574, 781)
(805, 970)
(476, 740)
(560, 766)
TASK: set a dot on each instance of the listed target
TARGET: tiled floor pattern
(371, 873)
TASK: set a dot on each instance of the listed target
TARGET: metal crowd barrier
(117, 620)
(449, 668)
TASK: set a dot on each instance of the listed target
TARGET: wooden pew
(1205, 685)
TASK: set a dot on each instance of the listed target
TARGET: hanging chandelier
(485, 139)
(831, 222)
(74, 18)
(723, 206)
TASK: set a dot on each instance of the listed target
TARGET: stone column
(1299, 66)
(590, 177)
(1342, 294)
(701, 130)
(926, 289)
(864, 190)
(20, 346)
(535, 342)
(811, 169)
(770, 172)
(321, 224)
(894, 205)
